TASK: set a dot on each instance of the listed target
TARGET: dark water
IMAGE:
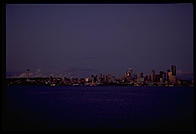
(136, 108)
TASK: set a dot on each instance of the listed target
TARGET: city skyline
(130, 78)
(38, 74)
(98, 38)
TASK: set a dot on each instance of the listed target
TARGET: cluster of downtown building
(163, 78)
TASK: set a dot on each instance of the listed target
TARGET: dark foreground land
(132, 108)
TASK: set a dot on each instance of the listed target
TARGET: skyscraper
(161, 76)
(164, 76)
(153, 75)
(173, 69)
(157, 77)
(170, 76)
(167, 75)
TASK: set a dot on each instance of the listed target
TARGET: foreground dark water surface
(136, 108)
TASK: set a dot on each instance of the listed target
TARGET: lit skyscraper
(167, 75)
(164, 76)
(170, 76)
(161, 76)
(153, 75)
(173, 69)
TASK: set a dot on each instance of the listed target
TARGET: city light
(130, 78)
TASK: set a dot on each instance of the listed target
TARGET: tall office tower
(149, 77)
(173, 69)
(146, 78)
(170, 76)
(161, 76)
(167, 75)
(164, 76)
(153, 75)
(157, 78)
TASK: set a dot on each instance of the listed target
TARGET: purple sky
(89, 38)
